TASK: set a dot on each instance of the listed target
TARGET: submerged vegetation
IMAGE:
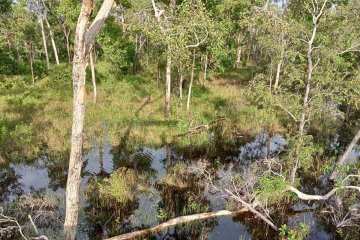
(176, 114)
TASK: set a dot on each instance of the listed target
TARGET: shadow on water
(162, 200)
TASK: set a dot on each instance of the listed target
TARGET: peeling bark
(83, 42)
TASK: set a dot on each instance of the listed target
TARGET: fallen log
(174, 222)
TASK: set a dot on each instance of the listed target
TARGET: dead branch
(252, 209)
(174, 222)
(10, 220)
(199, 128)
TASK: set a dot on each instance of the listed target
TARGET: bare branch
(292, 115)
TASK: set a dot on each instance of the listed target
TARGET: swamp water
(47, 175)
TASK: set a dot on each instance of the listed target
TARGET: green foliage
(309, 149)
(162, 215)
(299, 233)
(271, 189)
(115, 49)
(194, 206)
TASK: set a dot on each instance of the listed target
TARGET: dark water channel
(48, 175)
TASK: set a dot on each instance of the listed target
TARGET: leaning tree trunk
(168, 83)
(44, 42)
(52, 42)
(84, 39)
(342, 159)
(191, 82)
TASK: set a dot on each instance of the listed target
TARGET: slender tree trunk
(84, 39)
(168, 83)
(238, 53)
(205, 69)
(191, 81)
(342, 159)
(135, 55)
(278, 70)
(181, 79)
(67, 36)
(31, 63)
(52, 42)
(44, 42)
(93, 77)
(305, 104)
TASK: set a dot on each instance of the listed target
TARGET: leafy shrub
(120, 186)
(271, 189)
(299, 233)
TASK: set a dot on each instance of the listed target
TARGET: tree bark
(278, 70)
(168, 82)
(191, 81)
(238, 53)
(342, 159)
(93, 77)
(44, 42)
(83, 42)
(52, 42)
(181, 80)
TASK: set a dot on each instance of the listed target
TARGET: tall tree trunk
(305, 106)
(52, 42)
(205, 69)
(342, 159)
(84, 39)
(93, 77)
(191, 81)
(168, 82)
(44, 42)
(181, 79)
